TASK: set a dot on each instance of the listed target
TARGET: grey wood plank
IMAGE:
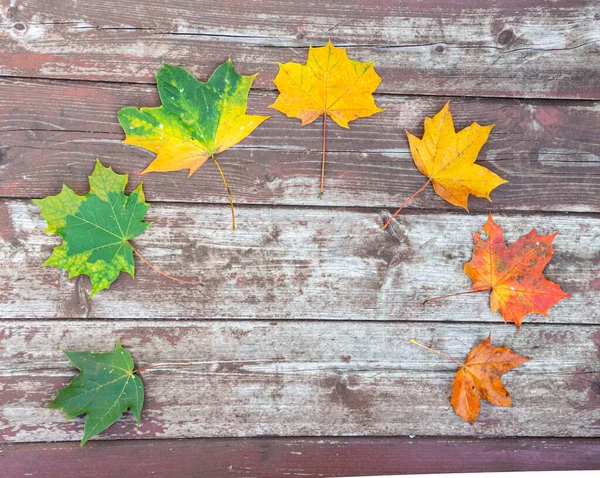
(286, 263)
(521, 49)
(316, 378)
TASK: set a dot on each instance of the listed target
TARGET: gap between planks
(262, 89)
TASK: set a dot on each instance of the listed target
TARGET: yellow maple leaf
(448, 158)
(329, 83)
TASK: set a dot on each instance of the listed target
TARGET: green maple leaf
(106, 388)
(96, 227)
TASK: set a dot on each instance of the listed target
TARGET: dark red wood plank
(269, 457)
(549, 151)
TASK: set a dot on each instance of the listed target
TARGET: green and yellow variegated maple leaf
(96, 227)
(196, 120)
(106, 388)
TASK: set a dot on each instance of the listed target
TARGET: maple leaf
(106, 388)
(448, 158)
(329, 83)
(195, 122)
(96, 227)
(480, 377)
(514, 273)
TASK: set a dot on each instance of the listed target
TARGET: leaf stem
(228, 192)
(454, 295)
(413, 341)
(404, 204)
(160, 272)
(324, 149)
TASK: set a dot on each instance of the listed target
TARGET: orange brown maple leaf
(329, 83)
(480, 377)
(514, 273)
(448, 158)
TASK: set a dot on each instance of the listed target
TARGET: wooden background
(311, 299)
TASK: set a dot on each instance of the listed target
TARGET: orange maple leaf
(514, 273)
(448, 158)
(329, 83)
(480, 377)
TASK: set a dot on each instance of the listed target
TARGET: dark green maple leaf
(96, 227)
(106, 388)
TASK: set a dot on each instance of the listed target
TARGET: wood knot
(505, 37)
(439, 49)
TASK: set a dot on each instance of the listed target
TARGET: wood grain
(549, 151)
(312, 378)
(287, 263)
(297, 457)
(313, 303)
(520, 49)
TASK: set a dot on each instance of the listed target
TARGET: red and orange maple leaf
(514, 273)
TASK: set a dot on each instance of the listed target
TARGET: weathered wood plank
(365, 21)
(549, 151)
(293, 264)
(522, 49)
(317, 378)
(316, 457)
